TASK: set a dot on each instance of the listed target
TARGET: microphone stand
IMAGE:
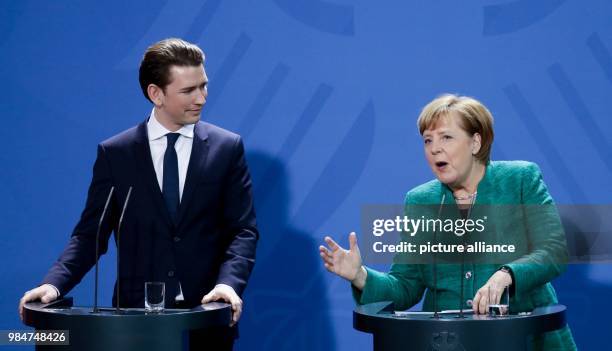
(461, 315)
(436, 315)
(127, 198)
(110, 194)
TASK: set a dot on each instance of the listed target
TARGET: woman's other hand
(492, 290)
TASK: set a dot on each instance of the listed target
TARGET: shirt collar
(156, 131)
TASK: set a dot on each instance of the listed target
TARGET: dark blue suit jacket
(213, 240)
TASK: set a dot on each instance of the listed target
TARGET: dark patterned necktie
(170, 185)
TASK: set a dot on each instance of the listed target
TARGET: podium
(420, 331)
(130, 329)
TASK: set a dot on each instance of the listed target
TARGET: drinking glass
(502, 308)
(154, 296)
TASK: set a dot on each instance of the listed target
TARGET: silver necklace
(467, 197)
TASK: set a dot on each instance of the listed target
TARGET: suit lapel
(195, 169)
(145, 164)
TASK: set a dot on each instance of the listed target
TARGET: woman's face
(449, 151)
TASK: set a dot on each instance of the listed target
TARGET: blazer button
(177, 239)
(171, 273)
(469, 302)
(468, 274)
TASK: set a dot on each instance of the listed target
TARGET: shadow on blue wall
(586, 298)
(285, 306)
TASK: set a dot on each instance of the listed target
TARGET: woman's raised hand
(345, 263)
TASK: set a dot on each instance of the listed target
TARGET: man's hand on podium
(45, 293)
(345, 263)
(226, 293)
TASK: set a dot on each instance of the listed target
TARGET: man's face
(184, 97)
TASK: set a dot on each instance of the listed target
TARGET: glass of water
(155, 293)
(501, 308)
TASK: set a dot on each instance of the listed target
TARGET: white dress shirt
(157, 144)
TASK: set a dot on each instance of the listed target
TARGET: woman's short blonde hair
(474, 118)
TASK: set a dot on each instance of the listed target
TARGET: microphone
(435, 266)
(127, 198)
(110, 194)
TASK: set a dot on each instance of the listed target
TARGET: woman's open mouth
(441, 165)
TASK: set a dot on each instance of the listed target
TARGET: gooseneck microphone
(435, 264)
(127, 198)
(108, 198)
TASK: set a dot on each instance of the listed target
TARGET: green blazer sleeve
(402, 285)
(548, 255)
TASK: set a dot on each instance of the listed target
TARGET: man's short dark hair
(156, 62)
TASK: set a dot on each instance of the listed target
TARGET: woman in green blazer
(458, 133)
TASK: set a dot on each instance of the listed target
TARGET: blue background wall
(326, 95)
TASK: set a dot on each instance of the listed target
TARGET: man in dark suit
(190, 221)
